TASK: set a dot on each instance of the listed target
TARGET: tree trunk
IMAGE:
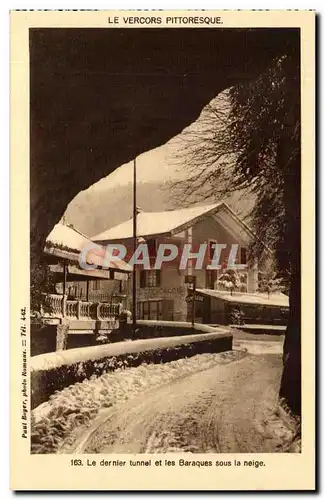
(290, 389)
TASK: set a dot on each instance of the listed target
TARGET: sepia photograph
(165, 213)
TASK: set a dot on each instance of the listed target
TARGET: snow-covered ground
(260, 347)
(79, 404)
(257, 343)
(228, 408)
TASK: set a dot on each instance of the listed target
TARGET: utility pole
(193, 301)
(190, 279)
(134, 276)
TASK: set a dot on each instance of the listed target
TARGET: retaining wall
(54, 371)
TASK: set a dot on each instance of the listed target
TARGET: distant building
(161, 293)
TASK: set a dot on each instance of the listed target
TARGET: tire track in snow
(223, 409)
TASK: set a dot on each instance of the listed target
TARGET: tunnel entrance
(100, 97)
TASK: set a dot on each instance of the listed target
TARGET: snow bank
(78, 404)
(57, 370)
(57, 359)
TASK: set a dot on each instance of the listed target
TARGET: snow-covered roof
(151, 223)
(66, 242)
(274, 299)
(68, 237)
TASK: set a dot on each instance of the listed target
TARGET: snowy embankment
(55, 371)
(57, 359)
(77, 405)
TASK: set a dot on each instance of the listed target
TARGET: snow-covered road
(226, 408)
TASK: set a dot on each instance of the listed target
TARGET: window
(146, 310)
(72, 291)
(150, 278)
(151, 309)
(243, 255)
(211, 276)
(96, 284)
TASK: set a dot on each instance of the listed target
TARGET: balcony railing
(58, 306)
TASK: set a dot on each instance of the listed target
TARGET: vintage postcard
(162, 250)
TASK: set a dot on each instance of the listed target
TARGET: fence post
(64, 306)
(98, 311)
(78, 309)
(62, 336)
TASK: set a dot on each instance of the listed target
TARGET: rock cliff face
(100, 97)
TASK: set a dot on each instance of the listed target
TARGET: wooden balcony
(67, 324)
(58, 307)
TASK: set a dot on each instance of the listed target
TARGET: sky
(145, 169)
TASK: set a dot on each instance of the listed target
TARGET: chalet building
(62, 249)
(162, 293)
(72, 311)
(80, 307)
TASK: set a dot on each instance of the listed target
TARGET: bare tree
(248, 140)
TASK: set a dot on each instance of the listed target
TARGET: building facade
(161, 293)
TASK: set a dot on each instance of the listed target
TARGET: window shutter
(243, 255)
(211, 249)
(142, 279)
(152, 248)
(158, 277)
